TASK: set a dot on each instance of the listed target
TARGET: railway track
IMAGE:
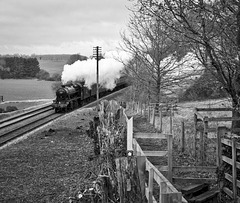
(24, 115)
(21, 124)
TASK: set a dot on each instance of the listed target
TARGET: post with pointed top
(97, 56)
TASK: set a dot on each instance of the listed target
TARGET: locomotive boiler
(68, 97)
(74, 95)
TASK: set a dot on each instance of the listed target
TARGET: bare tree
(212, 30)
(156, 63)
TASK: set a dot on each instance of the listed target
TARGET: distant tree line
(22, 67)
(52, 57)
(44, 75)
(60, 57)
(18, 67)
(76, 57)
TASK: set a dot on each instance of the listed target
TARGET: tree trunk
(235, 114)
(238, 32)
(236, 96)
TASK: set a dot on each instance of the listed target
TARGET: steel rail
(23, 114)
(26, 116)
(19, 131)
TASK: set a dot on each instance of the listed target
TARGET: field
(24, 94)
(15, 90)
(52, 66)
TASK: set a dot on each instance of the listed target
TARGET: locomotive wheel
(76, 104)
(71, 105)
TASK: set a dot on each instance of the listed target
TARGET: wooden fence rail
(169, 139)
(151, 113)
(167, 192)
(205, 120)
(231, 142)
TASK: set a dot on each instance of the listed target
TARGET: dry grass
(185, 113)
(51, 165)
(26, 89)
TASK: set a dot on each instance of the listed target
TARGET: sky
(61, 26)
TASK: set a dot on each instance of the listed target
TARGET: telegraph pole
(97, 56)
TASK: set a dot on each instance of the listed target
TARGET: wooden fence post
(141, 163)
(128, 180)
(201, 148)
(183, 136)
(170, 140)
(150, 186)
(163, 190)
(138, 107)
(144, 109)
(205, 125)
(195, 135)
(220, 132)
(130, 135)
(160, 118)
(205, 137)
(195, 120)
(149, 114)
(141, 109)
(152, 121)
(195, 144)
(234, 169)
(154, 117)
(171, 121)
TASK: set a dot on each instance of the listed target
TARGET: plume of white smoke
(109, 71)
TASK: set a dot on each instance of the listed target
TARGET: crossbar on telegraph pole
(97, 56)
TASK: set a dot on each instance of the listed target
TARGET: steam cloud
(109, 70)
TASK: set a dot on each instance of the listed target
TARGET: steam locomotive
(72, 96)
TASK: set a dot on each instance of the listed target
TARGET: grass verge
(51, 165)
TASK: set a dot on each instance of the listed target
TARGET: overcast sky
(61, 26)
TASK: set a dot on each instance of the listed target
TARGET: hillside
(53, 63)
(53, 57)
